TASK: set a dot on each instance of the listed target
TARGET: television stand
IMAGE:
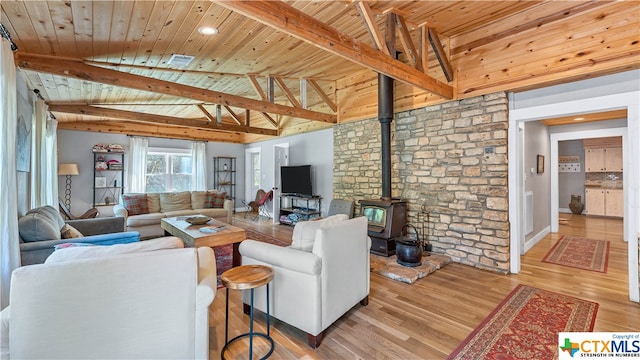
(294, 208)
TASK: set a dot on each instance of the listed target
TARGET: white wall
(537, 143)
(313, 148)
(76, 146)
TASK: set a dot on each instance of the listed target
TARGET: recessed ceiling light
(207, 30)
(578, 119)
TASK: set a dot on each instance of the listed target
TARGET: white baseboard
(534, 240)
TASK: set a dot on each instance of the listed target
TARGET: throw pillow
(153, 201)
(69, 232)
(304, 233)
(41, 223)
(136, 204)
(197, 199)
(36, 226)
(215, 200)
(50, 212)
(175, 201)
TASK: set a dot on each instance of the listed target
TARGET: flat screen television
(296, 180)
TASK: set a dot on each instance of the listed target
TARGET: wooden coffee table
(193, 237)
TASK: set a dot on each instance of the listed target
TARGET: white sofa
(169, 204)
(113, 302)
(323, 274)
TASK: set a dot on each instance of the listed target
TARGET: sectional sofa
(42, 229)
(142, 212)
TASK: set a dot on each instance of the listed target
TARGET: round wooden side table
(247, 277)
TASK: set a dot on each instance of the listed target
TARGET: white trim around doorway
(629, 101)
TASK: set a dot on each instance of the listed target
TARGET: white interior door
(280, 158)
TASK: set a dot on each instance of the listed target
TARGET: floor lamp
(68, 170)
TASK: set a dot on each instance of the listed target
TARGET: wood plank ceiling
(280, 68)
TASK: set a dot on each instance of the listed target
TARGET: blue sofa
(41, 230)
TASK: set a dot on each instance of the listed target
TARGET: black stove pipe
(385, 116)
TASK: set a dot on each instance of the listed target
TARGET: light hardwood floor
(427, 320)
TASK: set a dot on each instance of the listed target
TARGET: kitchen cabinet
(603, 160)
(604, 202)
(594, 201)
(613, 205)
(594, 160)
(613, 159)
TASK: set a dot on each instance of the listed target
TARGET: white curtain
(137, 168)
(9, 246)
(51, 158)
(44, 158)
(198, 166)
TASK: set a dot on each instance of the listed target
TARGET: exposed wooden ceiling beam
(211, 74)
(163, 69)
(424, 47)
(145, 129)
(302, 26)
(234, 116)
(372, 26)
(288, 92)
(407, 44)
(206, 113)
(256, 86)
(202, 123)
(323, 95)
(434, 39)
(77, 69)
(270, 120)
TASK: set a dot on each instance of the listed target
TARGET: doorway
(280, 158)
(253, 173)
(555, 138)
(624, 101)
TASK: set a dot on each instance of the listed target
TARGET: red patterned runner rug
(526, 326)
(224, 253)
(224, 260)
(581, 253)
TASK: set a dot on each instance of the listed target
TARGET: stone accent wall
(449, 161)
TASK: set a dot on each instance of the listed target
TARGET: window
(168, 170)
(255, 169)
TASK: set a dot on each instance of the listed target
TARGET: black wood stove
(386, 219)
(386, 215)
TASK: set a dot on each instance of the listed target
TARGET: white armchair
(313, 288)
(131, 305)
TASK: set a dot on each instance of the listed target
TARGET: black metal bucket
(408, 249)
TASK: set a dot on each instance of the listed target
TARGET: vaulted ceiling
(284, 67)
